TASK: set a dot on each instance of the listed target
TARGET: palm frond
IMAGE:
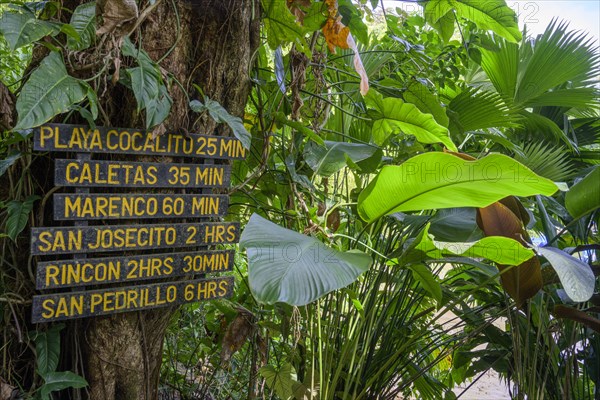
(502, 68)
(559, 56)
(537, 127)
(482, 110)
(576, 97)
(548, 161)
(586, 130)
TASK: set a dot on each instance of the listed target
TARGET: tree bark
(209, 43)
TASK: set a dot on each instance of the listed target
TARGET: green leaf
(492, 15)
(18, 214)
(280, 381)
(439, 180)
(148, 87)
(481, 110)
(48, 92)
(54, 381)
(309, 133)
(394, 115)
(549, 161)
(577, 277)
(559, 57)
(280, 24)
(47, 348)
(158, 108)
(8, 161)
(285, 266)
(499, 249)
(584, 196)
(330, 159)
(220, 114)
(455, 224)
(418, 94)
(445, 26)
(423, 275)
(20, 27)
(83, 21)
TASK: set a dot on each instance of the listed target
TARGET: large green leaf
(48, 92)
(47, 349)
(501, 250)
(18, 214)
(576, 276)
(280, 381)
(393, 115)
(419, 95)
(331, 158)
(83, 21)
(439, 180)
(584, 196)
(20, 27)
(492, 15)
(221, 115)
(280, 24)
(54, 381)
(285, 266)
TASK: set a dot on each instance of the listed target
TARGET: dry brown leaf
(7, 391)
(358, 66)
(158, 130)
(336, 34)
(118, 16)
(238, 331)
(576, 315)
(296, 6)
(333, 220)
(523, 281)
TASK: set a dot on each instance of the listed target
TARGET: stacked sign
(137, 243)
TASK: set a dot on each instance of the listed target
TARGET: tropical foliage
(420, 202)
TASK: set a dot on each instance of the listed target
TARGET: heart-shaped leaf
(20, 27)
(48, 92)
(83, 22)
(18, 214)
(55, 381)
(331, 158)
(285, 266)
(393, 116)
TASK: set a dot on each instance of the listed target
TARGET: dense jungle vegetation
(419, 202)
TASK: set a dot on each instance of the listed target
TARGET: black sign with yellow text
(94, 271)
(103, 238)
(127, 206)
(82, 173)
(137, 250)
(61, 306)
(83, 139)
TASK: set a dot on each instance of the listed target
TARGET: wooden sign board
(127, 206)
(61, 306)
(103, 238)
(89, 173)
(83, 139)
(95, 271)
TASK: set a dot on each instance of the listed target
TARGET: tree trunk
(211, 43)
